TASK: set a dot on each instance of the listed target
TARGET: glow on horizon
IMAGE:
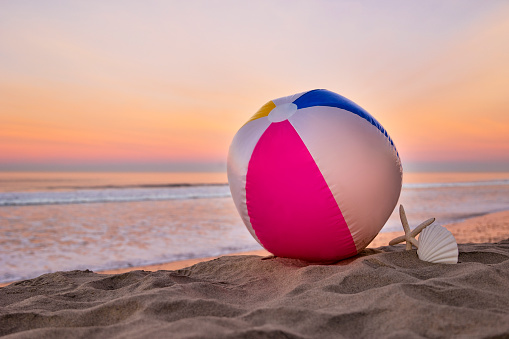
(171, 82)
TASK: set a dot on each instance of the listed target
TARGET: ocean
(66, 221)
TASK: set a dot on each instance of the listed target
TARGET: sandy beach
(384, 292)
(149, 148)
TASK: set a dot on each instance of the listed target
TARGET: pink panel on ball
(291, 207)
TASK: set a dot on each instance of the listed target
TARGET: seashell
(437, 245)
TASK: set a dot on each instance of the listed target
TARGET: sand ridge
(383, 292)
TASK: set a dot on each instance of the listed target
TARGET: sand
(383, 292)
(491, 227)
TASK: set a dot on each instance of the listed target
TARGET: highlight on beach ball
(314, 176)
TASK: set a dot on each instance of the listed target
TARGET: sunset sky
(164, 85)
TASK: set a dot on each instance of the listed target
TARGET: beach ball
(314, 176)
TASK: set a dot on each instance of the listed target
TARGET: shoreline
(491, 227)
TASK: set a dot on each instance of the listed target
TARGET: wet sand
(487, 228)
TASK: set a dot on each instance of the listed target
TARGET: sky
(165, 85)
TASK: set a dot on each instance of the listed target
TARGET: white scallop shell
(437, 245)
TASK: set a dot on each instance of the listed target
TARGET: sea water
(66, 221)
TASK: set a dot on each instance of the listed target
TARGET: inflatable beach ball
(314, 176)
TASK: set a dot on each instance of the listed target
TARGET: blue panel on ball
(323, 97)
